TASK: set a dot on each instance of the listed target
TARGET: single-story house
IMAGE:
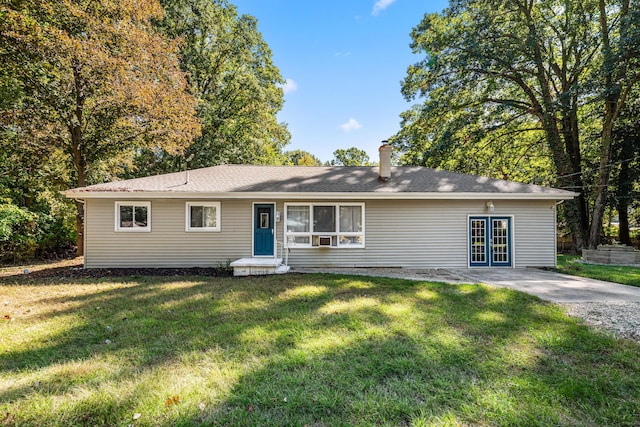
(319, 216)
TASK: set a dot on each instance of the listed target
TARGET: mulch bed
(73, 269)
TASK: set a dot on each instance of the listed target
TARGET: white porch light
(491, 207)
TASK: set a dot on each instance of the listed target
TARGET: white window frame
(134, 229)
(187, 217)
(335, 235)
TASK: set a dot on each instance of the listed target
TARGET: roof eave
(130, 195)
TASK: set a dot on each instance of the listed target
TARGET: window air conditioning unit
(324, 241)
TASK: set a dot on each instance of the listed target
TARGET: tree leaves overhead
(350, 157)
(301, 158)
(238, 87)
(625, 191)
(508, 82)
(94, 83)
(97, 81)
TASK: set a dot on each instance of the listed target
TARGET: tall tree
(238, 87)
(626, 161)
(619, 74)
(351, 156)
(97, 82)
(518, 71)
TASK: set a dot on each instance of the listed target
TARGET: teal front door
(263, 231)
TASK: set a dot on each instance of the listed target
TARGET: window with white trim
(133, 216)
(324, 225)
(202, 216)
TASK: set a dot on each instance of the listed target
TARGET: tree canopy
(238, 88)
(301, 158)
(625, 194)
(96, 90)
(351, 156)
(93, 82)
(515, 88)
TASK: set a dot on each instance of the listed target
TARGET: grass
(316, 350)
(626, 275)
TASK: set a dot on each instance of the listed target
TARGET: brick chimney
(385, 162)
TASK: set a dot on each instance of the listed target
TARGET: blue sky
(344, 61)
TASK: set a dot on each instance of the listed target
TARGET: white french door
(490, 241)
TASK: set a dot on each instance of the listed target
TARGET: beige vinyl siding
(433, 234)
(535, 234)
(168, 244)
(398, 233)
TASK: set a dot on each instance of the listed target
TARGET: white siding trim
(317, 196)
(513, 240)
(84, 232)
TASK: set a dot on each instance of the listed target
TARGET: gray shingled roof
(302, 179)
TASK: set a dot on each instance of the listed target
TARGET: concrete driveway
(552, 286)
(548, 285)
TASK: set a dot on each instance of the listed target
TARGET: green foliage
(96, 83)
(611, 232)
(93, 83)
(524, 91)
(625, 189)
(29, 198)
(350, 157)
(25, 234)
(301, 158)
(231, 73)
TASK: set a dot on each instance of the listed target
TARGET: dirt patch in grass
(74, 269)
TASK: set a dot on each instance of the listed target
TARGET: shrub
(26, 234)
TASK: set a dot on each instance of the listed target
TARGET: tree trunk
(548, 115)
(611, 109)
(81, 169)
(574, 182)
(78, 152)
(623, 231)
(604, 173)
(624, 189)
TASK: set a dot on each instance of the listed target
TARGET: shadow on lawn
(459, 370)
(334, 350)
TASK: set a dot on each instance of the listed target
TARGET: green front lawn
(569, 264)
(317, 350)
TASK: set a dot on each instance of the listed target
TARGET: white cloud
(347, 53)
(351, 124)
(289, 86)
(381, 5)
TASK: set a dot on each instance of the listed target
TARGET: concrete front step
(258, 266)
